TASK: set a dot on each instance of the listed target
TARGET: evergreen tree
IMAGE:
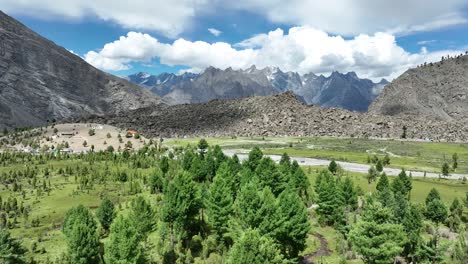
(330, 201)
(124, 245)
(332, 167)
(248, 204)
(460, 251)
(106, 213)
(436, 211)
(445, 169)
(455, 216)
(80, 231)
(349, 192)
(202, 145)
(294, 224)
(180, 204)
(255, 156)
(400, 207)
(372, 175)
(299, 181)
(433, 195)
(156, 183)
(383, 183)
(270, 176)
(252, 248)
(379, 166)
(413, 225)
(143, 214)
(219, 205)
(11, 250)
(375, 237)
(285, 163)
(455, 161)
(164, 165)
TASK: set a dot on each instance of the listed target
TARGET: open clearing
(410, 155)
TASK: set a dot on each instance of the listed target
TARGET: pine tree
(383, 183)
(80, 231)
(202, 145)
(413, 225)
(124, 242)
(332, 167)
(330, 200)
(252, 248)
(375, 237)
(255, 208)
(400, 207)
(445, 169)
(433, 195)
(143, 214)
(255, 156)
(180, 204)
(11, 250)
(454, 161)
(350, 196)
(372, 175)
(299, 182)
(294, 224)
(455, 216)
(219, 205)
(270, 176)
(106, 213)
(379, 166)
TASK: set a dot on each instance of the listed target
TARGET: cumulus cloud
(343, 17)
(215, 32)
(302, 49)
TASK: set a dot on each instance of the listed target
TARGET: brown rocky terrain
(40, 81)
(435, 90)
(279, 115)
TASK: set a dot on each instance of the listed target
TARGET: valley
(229, 165)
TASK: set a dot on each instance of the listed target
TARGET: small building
(67, 134)
(131, 133)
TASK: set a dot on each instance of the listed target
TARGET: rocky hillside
(276, 115)
(435, 90)
(40, 81)
(345, 91)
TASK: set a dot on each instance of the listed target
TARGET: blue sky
(297, 35)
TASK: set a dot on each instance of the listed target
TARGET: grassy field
(449, 189)
(50, 208)
(411, 155)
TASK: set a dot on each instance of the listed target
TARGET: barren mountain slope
(41, 81)
(438, 90)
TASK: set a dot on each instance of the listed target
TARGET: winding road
(349, 166)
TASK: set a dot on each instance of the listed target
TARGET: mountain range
(41, 81)
(345, 91)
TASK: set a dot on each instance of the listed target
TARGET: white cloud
(343, 17)
(167, 17)
(352, 17)
(303, 49)
(215, 31)
(426, 42)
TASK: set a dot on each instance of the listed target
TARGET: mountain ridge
(41, 81)
(345, 91)
(434, 90)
